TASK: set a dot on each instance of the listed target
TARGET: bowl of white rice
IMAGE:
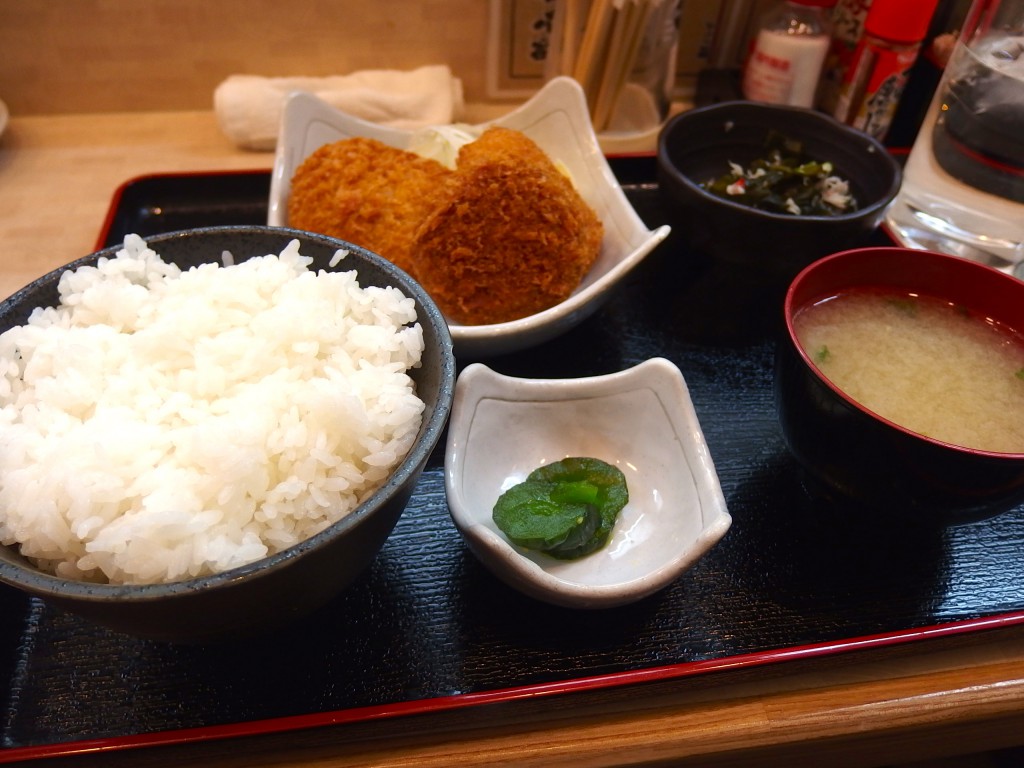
(212, 432)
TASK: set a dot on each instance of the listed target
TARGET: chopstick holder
(601, 54)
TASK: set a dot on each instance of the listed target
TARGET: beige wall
(115, 55)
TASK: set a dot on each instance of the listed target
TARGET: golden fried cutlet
(367, 193)
(511, 236)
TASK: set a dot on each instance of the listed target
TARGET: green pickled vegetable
(566, 509)
(907, 306)
(785, 180)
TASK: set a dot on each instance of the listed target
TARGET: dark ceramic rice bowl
(282, 587)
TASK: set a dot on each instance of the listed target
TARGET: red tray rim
(292, 723)
(121, 190)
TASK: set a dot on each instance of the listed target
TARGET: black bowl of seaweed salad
(770, 189)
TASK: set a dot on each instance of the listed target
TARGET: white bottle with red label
(787, 53)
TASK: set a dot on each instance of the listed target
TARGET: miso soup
(934, 368)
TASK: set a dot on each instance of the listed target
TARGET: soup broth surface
(929, 366)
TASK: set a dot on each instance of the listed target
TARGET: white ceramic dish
(556, 118)
(641, 420)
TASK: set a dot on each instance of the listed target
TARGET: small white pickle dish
(640, 420)
(557, 119)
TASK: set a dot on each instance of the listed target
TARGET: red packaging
(874, 83)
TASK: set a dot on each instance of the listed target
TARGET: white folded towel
(248, 107)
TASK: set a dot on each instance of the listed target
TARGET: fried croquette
(368, 193)
(510, 237)
(503, 236)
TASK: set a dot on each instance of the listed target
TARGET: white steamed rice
(160, 425)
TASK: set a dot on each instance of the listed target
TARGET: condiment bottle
(787, 54)
(847, 29)
(874, 82)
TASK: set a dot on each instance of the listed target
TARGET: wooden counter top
(59, 174)
(947, 696)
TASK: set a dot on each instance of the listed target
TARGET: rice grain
(161, 424)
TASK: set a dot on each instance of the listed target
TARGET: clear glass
(963, 186)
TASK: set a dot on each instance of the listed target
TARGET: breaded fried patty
(368, 193)
(510, 237)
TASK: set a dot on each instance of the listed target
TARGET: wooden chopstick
(597, 42)
(622, 60)
(594, 46)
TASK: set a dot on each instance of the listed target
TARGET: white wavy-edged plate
(556, 118)
(642, 421)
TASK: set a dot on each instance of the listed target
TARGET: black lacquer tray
(427, 628)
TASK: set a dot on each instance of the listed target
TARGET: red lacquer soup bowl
(853, 458)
